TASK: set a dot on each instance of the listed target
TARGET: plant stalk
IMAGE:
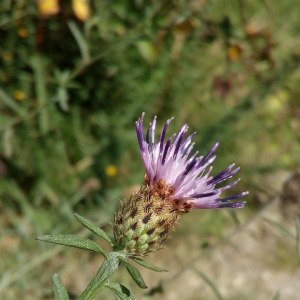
(108, 267)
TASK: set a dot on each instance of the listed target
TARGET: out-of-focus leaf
(62, 98)
(298, 237)
(7, 141)
(147, 50)
(92, 227)
(59, 290)
(158, 289)
(81, 42)
(49, 192)
(277, 296)
(121, 291)
(147, 265)
(280, 227)
(234, 217)
(37, 64)
(64, 83)
(61, 76)
(209, 282)
(73, 241)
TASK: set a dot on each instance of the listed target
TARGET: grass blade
(298, 238)
(37, 64)
(82, 44)
(280, 227)
(209, 282)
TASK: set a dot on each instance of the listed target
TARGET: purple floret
(171, 163)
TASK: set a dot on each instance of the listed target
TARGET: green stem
(109, 266)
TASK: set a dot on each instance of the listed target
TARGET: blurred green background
(74, 78)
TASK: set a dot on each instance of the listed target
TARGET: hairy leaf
(92, 227)
(121, 291)
(59, 290)
(147, 265)
(135, 274)
(73, 241)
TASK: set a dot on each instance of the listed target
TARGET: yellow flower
(111, 171)
(23, 32)
(235, 53)
(19, 95)
(81, 9)
(48, 7)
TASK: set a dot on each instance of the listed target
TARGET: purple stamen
(163, 135)
(233, 197)
(166, 150)
(153, 130)
(213, 193)
(179, 139)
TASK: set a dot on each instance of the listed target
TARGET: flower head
(169, 163)
(175, 183)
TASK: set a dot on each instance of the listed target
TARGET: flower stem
(108, 267)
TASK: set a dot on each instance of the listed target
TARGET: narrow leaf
(147, 265)
(209, 282)
(298, 238)
(121, 291)
(38, 67)
(92, 227)
(277, 296)
(59, 290)
(73, 241)
(62, 97)
(280, 227)
(81, 42)
(135, 274)
(109, 266)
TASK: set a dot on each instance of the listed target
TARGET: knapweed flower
(175, 183)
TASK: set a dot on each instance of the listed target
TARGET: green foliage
(109, 266)
(73, 241)
(147, 264)
(298, 238)
(71, 91)
(209, 282)
(74, 89)
(135, 274)
(92, 227)
(59, 290)
(121, 291)
(277, 296)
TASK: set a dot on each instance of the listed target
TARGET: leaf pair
(134, 272)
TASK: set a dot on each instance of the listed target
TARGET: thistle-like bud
(174, 184)
(144, 222)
